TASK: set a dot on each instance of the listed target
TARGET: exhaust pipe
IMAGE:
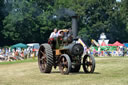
(74, 26)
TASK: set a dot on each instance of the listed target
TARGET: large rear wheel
(45, 58)
(65, 64)
(88, 63)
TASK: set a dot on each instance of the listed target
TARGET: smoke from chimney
(61, 13)
(67, 12)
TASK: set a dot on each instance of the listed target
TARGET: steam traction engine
(65, 52)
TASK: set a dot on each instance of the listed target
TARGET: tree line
(33, 20)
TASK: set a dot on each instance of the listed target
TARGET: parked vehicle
(32, 49)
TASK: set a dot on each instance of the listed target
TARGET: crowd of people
(8, 54)
(120, 51)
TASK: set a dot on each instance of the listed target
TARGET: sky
(118, 0)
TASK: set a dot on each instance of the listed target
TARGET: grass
(109, 71)
(19, 61)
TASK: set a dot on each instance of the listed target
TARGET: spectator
(22, 53)
(99, 51)
(0, 50)
(17, 56)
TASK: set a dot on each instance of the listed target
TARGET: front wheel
(88, 63)
(65, 64)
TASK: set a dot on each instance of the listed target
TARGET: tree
(33, 20)
(124, 12)
(2, 16)
(103, 16)
(26, 20)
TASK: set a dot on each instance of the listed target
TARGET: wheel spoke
(65, 63)
(43, 66)
(89, 68)
(43, 60)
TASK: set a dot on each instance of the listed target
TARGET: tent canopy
(103, 44)
(19, 45)
(126, 44)
(110, 44)
(117, 44)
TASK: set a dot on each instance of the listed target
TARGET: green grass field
(19, 61)
(109, 71)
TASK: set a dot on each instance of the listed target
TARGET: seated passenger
(60, 37)
(61, 33)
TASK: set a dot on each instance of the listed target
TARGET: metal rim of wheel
(88, 63)
(65, 64)
(45, 58)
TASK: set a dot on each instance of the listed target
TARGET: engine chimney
(74, 27)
